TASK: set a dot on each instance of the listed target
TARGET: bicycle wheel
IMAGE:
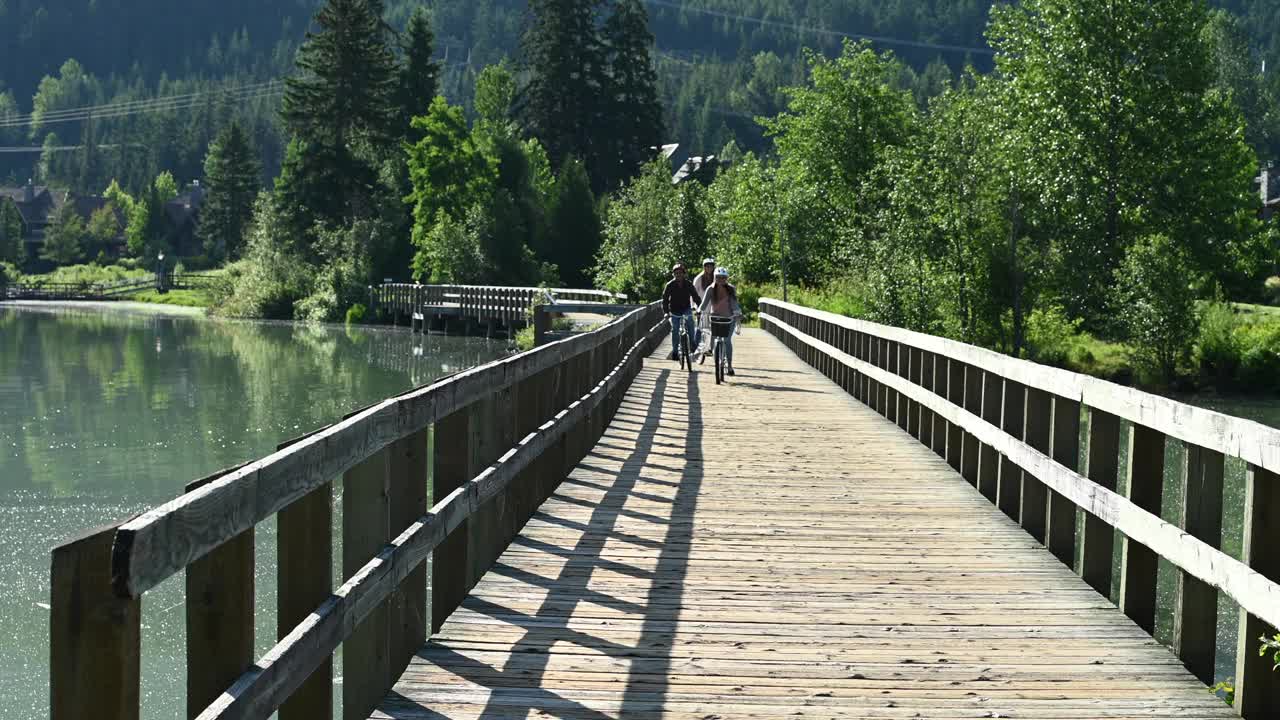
(719, 362)
(686, 361)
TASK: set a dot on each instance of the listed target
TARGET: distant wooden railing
(505, 434)
(1012, 428)
(509, 305)
(41, 290)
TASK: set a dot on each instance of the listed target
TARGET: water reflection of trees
(154, 401)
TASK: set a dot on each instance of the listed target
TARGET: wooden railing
(509, 305)
(504, 436)
(100, 291)
(1012, 428)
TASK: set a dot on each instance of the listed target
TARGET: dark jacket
(679, 297)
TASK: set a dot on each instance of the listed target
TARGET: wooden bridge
(509, 307)
(864, 523)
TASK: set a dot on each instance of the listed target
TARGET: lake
(106, 410)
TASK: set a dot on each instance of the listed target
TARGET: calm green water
(108, 410)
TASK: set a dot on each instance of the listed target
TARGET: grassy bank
(198, 298)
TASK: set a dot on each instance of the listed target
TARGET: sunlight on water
(105, 411)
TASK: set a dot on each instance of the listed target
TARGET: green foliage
(272, 277)
(63, 239)
(1051, 336)
(1271, 290)
(632, 122)
(419, 73)
(638, 251)
(233, 176)
(1225, 689)
(1159, 304)
(1220, 348)
(13, 249)
(574, 229)
(1270, 645)
(448, 252)
(103, 227)
(356, 314)
(1102, 114)
(495, 96)
(339, 105)
(90, 274)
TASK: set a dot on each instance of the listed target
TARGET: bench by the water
(762, 549)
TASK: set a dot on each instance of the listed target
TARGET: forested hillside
(721, 63)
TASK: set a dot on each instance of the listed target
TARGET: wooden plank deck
(773, 548)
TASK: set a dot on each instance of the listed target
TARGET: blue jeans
(689, 327)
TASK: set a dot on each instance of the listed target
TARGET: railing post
(1257, 684)
(1195, 615)
(969, 443)
(954, 433)
(1012, 421)
(366, 528)
(939, 388)
(1036, 422)
(95, 637)
(913, 359)
(1138, 564)
(926, 381)
(1103, 463)
(988, 458)
(1060, 530)
(491, 433)
(408, 500)
(451, 442)
(304, 571)
(219, 614)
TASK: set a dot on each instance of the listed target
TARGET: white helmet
(722, 272)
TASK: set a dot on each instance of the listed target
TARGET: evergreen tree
(419, 77)
(12, 247)
(339, 106)
(63, 236)
(575, 231)
(633, 111)
(561, 103)
(233, 177)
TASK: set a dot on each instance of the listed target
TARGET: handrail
(512, 428)
(262, 690)
(1011, 427)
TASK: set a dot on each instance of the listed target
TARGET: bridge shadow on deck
(516, 688)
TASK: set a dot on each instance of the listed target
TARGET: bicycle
(721, 328)
(684, 353)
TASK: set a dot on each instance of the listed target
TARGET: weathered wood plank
(1060, 530)
(1013, 420)
(408, 501)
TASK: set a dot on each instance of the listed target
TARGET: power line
(821, 31)
(159, 104)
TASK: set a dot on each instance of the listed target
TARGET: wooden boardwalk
(773, 548)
